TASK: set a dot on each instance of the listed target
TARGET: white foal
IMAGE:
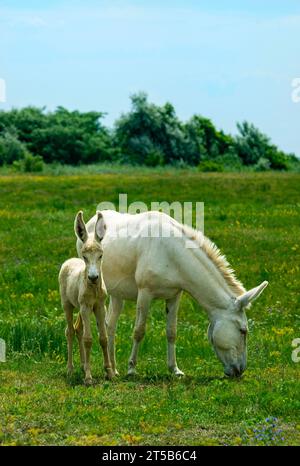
(148, 256)
(82, 286)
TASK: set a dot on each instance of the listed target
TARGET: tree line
(148, 134)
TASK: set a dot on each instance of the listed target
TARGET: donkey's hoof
(177, 372)
(131, 372)
(88, 381)
(116, 373)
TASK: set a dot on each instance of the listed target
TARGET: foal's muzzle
(93, 278)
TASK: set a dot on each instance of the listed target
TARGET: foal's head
(228, 333)
(91, 249)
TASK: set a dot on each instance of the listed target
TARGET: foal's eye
(243, 331)
(84, 258)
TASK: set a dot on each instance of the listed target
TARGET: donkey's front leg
(171, 310)
(143, 304)
(99, 311)
(85, 313)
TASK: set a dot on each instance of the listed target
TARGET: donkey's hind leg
(68, 308)
(171, 310)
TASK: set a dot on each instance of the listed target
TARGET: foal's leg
(99, 311)
(78, 327)
(171, 309)
(87, 342)
(143, 304)
(68, 308)
(115, 309)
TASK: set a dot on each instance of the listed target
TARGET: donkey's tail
(78, 323)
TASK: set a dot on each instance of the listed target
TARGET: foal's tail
(78, 323)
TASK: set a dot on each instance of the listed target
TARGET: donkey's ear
(245, 299)
(79, 227)
(100, 227)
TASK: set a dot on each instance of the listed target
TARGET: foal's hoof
(70, 371)
(116, 373)
(131, 372)
(110, 374)
(88, 382)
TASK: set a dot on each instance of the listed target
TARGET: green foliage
(251, 144)
(230, 160)
(210, 142)
(293, 163)
(210, 166)
(11, 148)
(72, 138)
(60, 136)
(29, 163)
(262, 165)
(23, 122)
(153, 135)
(148, 134)
(278, 160)
(254, 148)
(149, 129)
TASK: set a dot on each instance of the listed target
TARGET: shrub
(278, 160)
(230, 160)
(262, 165)
(11, 148)
(154, 158)
(29, 163)
(293, 163)
(210, 166)
(153, 135)
(251, 144)
(181, 164)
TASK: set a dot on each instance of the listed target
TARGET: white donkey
(82, 286)
(148, 256)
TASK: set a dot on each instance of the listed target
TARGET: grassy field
(253, 218)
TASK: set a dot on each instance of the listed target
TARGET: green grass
(253, 218)
(57, 169)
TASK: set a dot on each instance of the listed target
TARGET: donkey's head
(91, 247)
(228, 333)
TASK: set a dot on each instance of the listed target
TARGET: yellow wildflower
(27, 296)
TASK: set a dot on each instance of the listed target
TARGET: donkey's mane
(217, 258)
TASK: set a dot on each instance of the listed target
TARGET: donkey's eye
(84, 258)
(243, 331)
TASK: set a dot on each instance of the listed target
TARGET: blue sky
(227, 60)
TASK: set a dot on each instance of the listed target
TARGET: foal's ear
(100, 227)
(245, 299)
(79, 227)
